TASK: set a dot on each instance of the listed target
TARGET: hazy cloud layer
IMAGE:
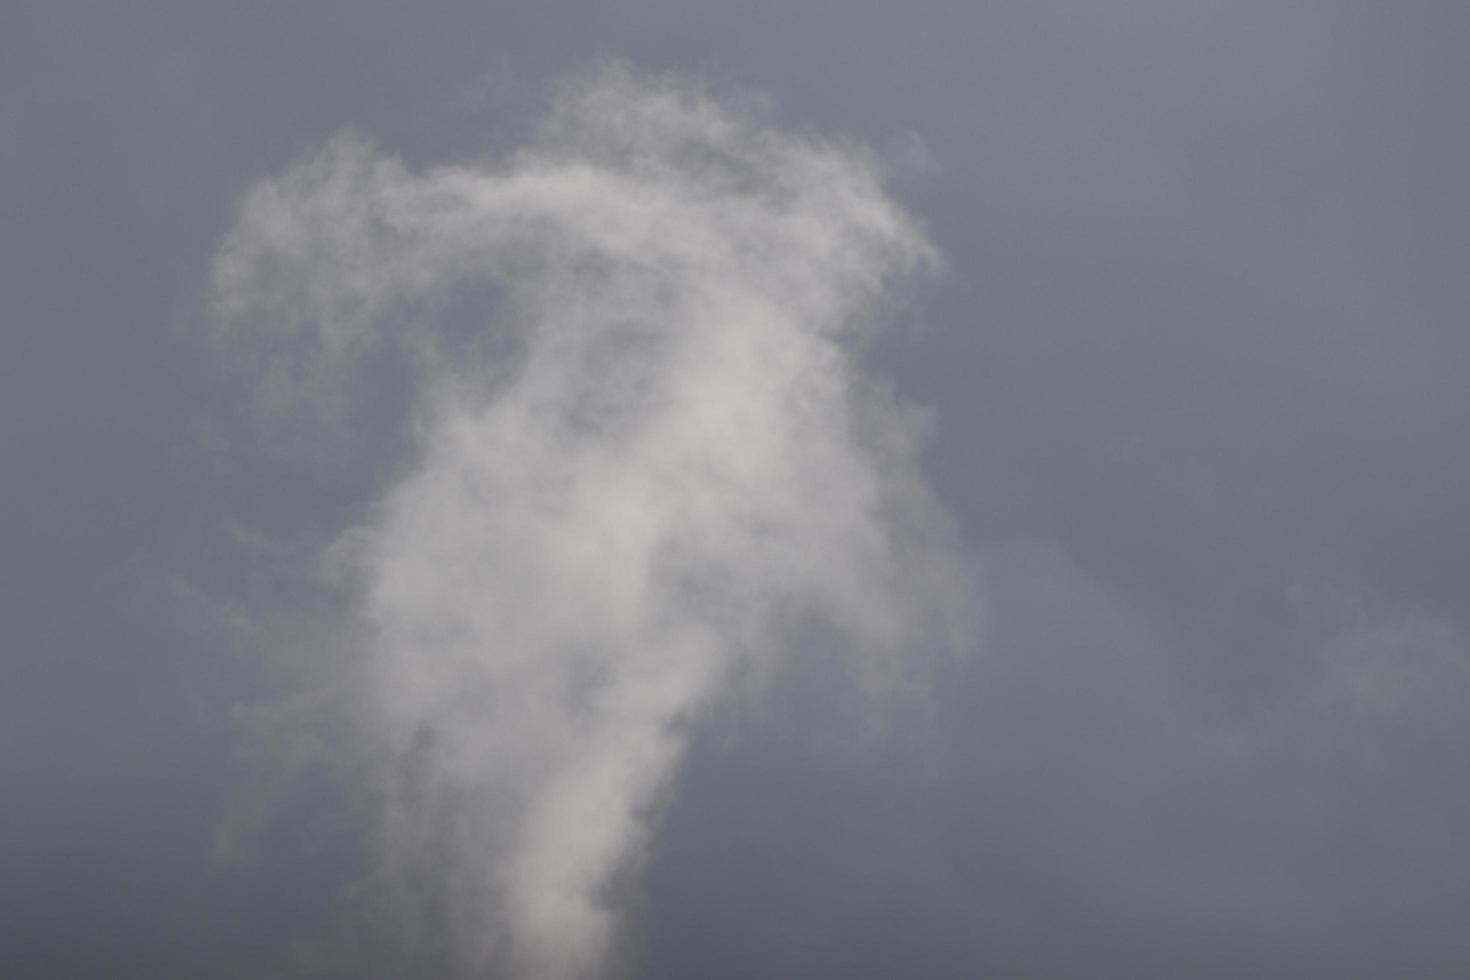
(1198, 370)
(643, 463)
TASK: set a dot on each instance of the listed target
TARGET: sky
(650, 489)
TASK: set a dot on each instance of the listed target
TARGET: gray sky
(1196, 366)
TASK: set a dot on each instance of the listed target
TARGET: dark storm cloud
(1067, 810)
(1198, 365)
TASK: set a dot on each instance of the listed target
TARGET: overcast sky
(1134, 331)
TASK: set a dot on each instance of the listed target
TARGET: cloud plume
(640, 465)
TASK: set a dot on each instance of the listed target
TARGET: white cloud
(658, 459)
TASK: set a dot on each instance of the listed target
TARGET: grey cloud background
(1198, 366)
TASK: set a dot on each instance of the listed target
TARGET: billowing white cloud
(649, 464)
